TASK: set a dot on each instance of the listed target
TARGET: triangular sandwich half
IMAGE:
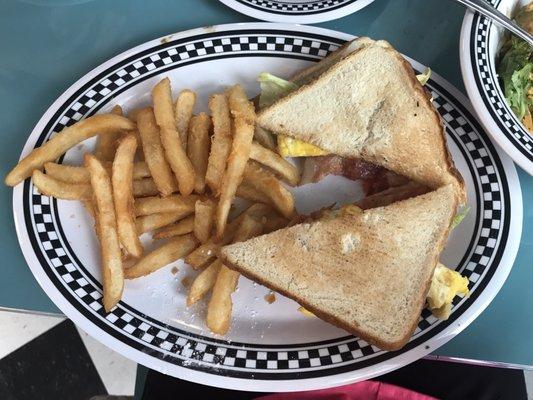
(367, 272)
(364, 101)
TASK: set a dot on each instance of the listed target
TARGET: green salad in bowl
(515, 70)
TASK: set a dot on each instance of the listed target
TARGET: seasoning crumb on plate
(186, 282)
(270, 297)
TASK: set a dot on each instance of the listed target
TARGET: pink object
(368, 390)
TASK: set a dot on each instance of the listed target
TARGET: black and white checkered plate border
(305, 12)
(174, 350)
(488, 87)
(296, 7)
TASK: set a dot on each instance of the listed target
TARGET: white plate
(481, 41)
(296, 11)
(270, 347)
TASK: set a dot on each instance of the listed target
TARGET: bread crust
(386, 345)
(460, 184)
(453, 175)
(323, 316)
(308, 74)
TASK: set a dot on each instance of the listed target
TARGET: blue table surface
(45, 46)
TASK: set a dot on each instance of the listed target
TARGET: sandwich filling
(318, 163)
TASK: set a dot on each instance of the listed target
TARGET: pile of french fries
(164, 170)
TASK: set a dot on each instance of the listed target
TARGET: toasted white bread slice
(368, 273)
(369, 105)
(315, 70)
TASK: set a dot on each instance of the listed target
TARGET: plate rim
(315, 18)
(477, 97)
(509, 253)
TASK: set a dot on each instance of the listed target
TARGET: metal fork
(484, 8)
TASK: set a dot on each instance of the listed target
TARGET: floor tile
(17, 329)
(529, 384)
(117, 372)
(54, 365)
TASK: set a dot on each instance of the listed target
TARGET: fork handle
(489, 11)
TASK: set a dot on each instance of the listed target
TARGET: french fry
(207, 251)
(269, 185)
(248, 192)
(183, 112)
(177, 248)
(174, 203)
(147, 223)
(144, 187)
(256, 211)
(221, 142)
(113, 276)
(61, 190)
(153, 152)
(67, 173)
(284, 169)
(117, 110)
(198, 148)
(140, 168)
(203, 254)
(186, 225)
(234, 172)
(122, 179)
(220, 305)
(133, 114)
(103, 124)
(239, 105)
(106, 145)
(203, 219)
(243, 123)
(139, 155)
(265, 138)
(273, 223)
(88, 204)
(203, 282)
(170, 137)
(72, 174)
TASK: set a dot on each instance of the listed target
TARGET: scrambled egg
(289, 147)
(445, 285)
(350, 209)
(332, 213)
(306, 312)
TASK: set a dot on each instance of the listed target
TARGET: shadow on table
(440, 379)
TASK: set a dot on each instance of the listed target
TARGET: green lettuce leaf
(516, 90)
(524, 18)
(423, 78)
(515, 72)
(273, 88)
(516, 57)
(460, 216)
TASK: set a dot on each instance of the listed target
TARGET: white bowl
(481, 40)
